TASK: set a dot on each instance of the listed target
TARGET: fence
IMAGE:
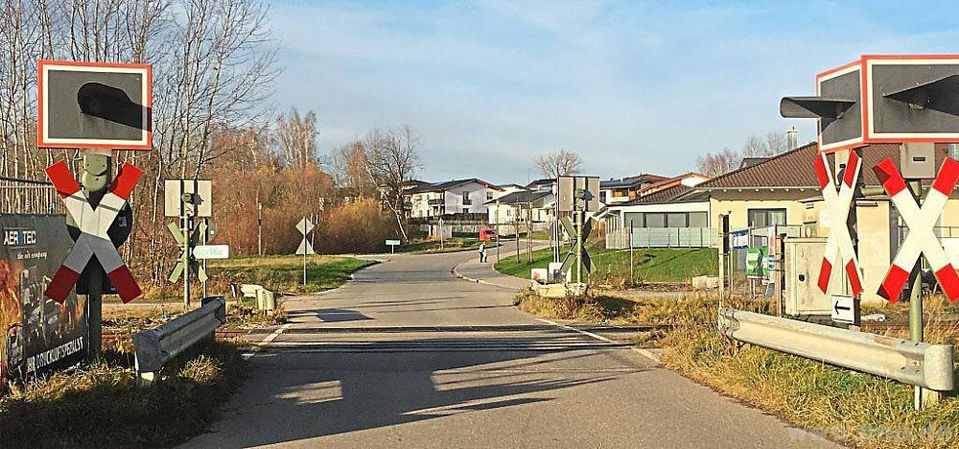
(661, 238)
(24, 196)
(754, 242)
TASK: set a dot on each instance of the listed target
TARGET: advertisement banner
(36, 332)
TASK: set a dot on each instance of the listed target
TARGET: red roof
(793, 169)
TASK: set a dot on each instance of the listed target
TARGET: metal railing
(921, 364)
(155, 347)
(661, 238)
(25, 196)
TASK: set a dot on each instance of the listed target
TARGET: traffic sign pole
(95, 179)
(304, 259)
(204, 239)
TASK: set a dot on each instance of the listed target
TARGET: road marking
(266, 340)
(644, 352)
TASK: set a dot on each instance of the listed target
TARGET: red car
(487, 234)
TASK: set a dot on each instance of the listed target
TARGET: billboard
(36, 332)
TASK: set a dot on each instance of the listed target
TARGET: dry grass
(240, 315)
(99, 406)
(856, 409)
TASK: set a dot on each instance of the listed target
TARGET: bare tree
(560, 163)
(296, 138)
(772, 144)
(718, 163)
(391, 160)
(349, 168)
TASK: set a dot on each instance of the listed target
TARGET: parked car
(487, 234)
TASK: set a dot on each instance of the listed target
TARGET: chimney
(792, 138)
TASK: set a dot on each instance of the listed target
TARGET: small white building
(521, 206)
(456, 197)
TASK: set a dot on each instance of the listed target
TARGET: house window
(466, 196)
(761, 218)
(698, 220)
(489, 196)
(466, 210)
(676, 220)
(655, 220)
(602, 196)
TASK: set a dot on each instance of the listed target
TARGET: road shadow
(313, 389)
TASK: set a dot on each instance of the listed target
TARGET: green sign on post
(756, 261)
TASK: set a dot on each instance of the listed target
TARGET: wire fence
(25, 196)
(751, 262)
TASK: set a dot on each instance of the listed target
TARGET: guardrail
(155, 347)
(921, 364)
(265, 299)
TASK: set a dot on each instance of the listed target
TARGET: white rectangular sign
(843, 309)
(174, 189)
(392, 243)
(211, 252)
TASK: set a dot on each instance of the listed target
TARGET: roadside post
(908, 100)
(630, 239)
(305, 226)
(392, 244)
(723, 253)
(577, 195)
(190, 201)
(98, 108)
(497, 231)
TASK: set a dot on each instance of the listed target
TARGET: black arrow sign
(837, 307)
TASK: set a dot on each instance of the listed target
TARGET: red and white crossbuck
(838, 204)
(93, 224)
(921, 221)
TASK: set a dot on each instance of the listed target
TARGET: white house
(460, 196)
(520, 206)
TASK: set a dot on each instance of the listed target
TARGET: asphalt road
(409, 356)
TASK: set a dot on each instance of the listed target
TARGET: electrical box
(918, 161)
(802, 261)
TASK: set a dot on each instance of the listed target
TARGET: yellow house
(767, 193)
(783, 191)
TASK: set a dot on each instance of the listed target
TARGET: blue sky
(632, 86)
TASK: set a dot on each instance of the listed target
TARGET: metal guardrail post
(155, 347)
(914, 363)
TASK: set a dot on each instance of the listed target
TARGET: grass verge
(285, 273)
(432, 246)
(241, 315)
(99, 406)
(855, 409)
(612, 267)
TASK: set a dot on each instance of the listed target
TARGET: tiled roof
(793, 169)
(674, 179)
(446, 185)
(522, 196)
(631, 181)
(790, 169)
(660, 196)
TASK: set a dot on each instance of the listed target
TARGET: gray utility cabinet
(803, 259)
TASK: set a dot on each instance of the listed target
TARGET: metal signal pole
(95, 178)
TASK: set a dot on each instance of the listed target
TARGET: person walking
(482, 252)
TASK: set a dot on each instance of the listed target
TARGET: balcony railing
(436, 202)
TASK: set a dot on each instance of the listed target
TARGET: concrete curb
(456, 273)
